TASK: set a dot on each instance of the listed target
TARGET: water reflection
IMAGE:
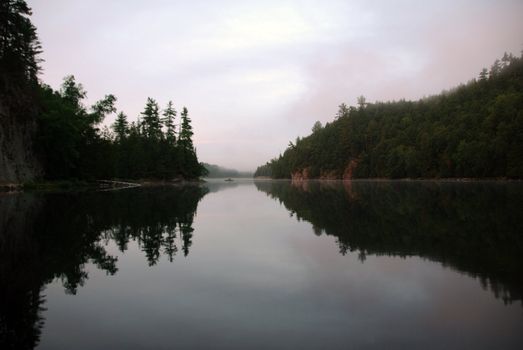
(44, 237)
(474, 228)
(256, 279)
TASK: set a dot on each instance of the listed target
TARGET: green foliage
(317, 126)
(475, 130)
(72, 146)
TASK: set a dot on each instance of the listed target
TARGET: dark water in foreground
(268, 265)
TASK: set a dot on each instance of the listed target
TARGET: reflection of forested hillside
(475, 228)
(43, 237)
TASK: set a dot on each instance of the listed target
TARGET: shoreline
(103, 184)
(115, 184)
(382, 179)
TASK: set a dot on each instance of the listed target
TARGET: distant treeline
(66, 136)
(218, 171)
(474, 130)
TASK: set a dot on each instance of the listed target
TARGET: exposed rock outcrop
(348, 174)
(18, 162)
(300, 175)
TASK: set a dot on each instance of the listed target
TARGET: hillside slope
(474, 130)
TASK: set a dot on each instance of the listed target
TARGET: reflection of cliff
(20, 285)
(474, 228)
(43, 237)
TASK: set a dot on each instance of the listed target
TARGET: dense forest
(73, 145)
(474, 130)
(54, 135)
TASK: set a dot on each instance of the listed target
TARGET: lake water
(265, 265)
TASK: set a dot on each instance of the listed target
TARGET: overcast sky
(257, 74)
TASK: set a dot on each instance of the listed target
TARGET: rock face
(348, 174)
(300, 175)
(18, 162)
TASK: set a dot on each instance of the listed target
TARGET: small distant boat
(229, 179)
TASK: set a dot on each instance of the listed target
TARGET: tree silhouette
(19, 45)
(169, 115)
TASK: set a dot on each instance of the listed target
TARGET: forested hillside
(474, 130)
(47, 134)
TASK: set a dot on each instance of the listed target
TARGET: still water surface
(267, 265)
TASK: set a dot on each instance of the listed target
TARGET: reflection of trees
(474, 228)
(43, 237)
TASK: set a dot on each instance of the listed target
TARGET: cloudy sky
(256, 74)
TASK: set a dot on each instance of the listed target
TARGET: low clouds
(256, 74)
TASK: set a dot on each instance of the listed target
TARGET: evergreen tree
(121, 127)
(483, 75)
(68, 135)
(362, 101)
(495, 69)
(19, 45)
(316, 127)
(186, 133)
(152, 126)
(169, 114)
(343, 111)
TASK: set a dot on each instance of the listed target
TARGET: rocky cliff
(18, 162)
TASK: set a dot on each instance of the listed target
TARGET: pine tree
(362, 101)
(495, 69)
(343, 111)
(151, 122)
(317, 126)
(121, 127)
(483, 75)
(186, 133)
(169, 114)
(19, 45)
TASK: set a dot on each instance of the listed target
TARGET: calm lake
(265, 265)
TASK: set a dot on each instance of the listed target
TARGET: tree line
(474, 130)
(75, 146)
(69, 139)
